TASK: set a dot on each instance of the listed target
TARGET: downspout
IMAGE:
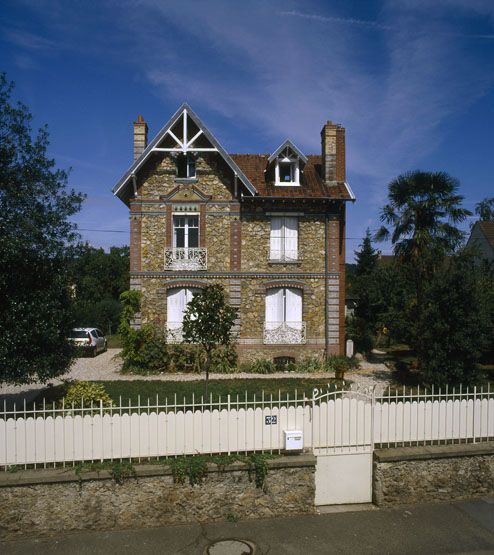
(134, 184)
(326, 268)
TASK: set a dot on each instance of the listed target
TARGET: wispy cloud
(332, 19)
(27, 40)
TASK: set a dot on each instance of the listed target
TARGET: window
(176, 302)
(185, 232)
(283, 244)
(283, 306)
(186, 166)
(287, 172)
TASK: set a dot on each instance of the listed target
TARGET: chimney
(333, 153)
(140, 136)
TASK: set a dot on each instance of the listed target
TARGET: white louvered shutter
(175, 305)
(293, 299)
(291, 238)
(275, 243)
(274, 308)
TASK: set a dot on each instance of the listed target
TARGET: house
(270, 228)
(482, 239)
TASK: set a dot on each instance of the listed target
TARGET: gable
(183, 133)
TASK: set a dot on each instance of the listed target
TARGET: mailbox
(294, 440)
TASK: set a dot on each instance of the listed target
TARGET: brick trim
(135, 243)
(202, 225)
(169, 227)
(185, 283)
(235, 245)
(291, 283)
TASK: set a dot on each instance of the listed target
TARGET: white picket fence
(330, 421)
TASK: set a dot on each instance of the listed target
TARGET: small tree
(208, 321)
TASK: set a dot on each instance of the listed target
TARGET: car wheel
(106, 347)
(94, 352)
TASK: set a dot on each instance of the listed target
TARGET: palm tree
(420, 220)
(485, 209)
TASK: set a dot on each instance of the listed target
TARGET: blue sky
(411, 80)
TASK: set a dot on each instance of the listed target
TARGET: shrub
(259, 366)
(145, 351)
(78, 393)
(311, 365)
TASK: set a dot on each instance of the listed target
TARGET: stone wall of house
(46, 502)
(237, 240)
(433, 474)
(159, 177)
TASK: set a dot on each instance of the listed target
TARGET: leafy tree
(98, 279)
(456, 325)
(208, 321)
(423, 211)
(36, 249)
(485, 209)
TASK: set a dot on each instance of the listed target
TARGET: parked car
(89, 340)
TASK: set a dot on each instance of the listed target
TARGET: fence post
(473, 412)
(373, 409)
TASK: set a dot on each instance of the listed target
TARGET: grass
(131, 390)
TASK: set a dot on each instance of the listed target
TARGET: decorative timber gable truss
(287, 151)
(184, 133)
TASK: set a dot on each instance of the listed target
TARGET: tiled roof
(311, 183)
(487, 229)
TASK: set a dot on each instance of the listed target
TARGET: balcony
(283, 257)
(174, 332)
(284, 333)
(186, 259)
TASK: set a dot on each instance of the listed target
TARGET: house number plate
(268, 420)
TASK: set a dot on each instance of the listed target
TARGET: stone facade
(433, 474)
(46, 502)
(236, 235)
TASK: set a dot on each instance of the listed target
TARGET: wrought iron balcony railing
(284, 333)
(284, 256)
(186, 259)
(174, 332)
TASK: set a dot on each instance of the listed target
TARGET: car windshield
(78, 334)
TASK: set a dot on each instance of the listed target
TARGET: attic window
(287, 172)
(287, 169)
(186, 166)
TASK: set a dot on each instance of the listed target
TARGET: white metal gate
(343, 445)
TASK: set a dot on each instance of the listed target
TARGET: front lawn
(131, 390)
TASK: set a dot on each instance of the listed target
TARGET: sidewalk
(465, 527)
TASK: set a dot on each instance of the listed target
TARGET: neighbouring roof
(487, 229)
(255, 166)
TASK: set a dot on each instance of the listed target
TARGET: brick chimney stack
(333, 153)
(140, 136)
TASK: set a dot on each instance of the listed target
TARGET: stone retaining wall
(432, 474)
(45, 502)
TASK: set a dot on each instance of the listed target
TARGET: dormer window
(288, 173)
(186, 166)
(288, 162)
